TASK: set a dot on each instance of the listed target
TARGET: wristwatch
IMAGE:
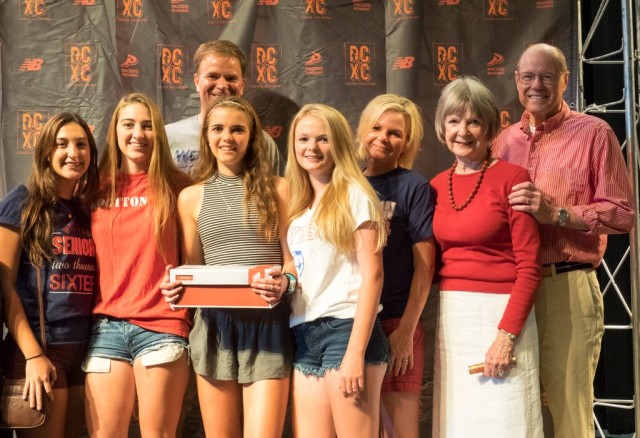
(563, 216)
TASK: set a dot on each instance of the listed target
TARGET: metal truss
(627, 107)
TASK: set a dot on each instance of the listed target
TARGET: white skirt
(466, 405)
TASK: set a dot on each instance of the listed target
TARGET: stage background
(83, 55)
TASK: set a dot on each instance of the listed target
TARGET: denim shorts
(321, 345)
(121, 340)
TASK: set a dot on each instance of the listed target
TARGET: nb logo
(31, 64)
(403, 63)
(84, 2)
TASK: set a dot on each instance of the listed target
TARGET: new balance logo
(31, 64)
(403, 63)
(84, 2)
(268, 2)
(314, 59)
(130, 61)
(496, 60)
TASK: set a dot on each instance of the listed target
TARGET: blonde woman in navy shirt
(388, 139)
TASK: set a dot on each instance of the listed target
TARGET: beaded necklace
(455, 206)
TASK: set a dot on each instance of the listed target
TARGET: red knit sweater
(488, 247)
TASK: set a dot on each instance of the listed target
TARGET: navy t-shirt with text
(408, 206)
(69, 280)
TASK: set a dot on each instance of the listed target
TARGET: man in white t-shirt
(220, 68)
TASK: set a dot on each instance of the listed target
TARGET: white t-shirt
(329, 280)
(184, 142)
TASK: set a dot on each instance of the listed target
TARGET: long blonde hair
(165, 180)
(333, 214)
(37, 214)
(257, 171)
(413, 120)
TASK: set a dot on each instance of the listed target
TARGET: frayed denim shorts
(119, 339)
(321, 345)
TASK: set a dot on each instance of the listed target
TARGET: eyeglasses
(527, 78)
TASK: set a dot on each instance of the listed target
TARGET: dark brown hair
(38, 212)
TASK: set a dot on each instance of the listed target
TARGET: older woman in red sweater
(490, 272)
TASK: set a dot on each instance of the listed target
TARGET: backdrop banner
(82, 55)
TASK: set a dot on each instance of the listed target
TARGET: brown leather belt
(560, 268)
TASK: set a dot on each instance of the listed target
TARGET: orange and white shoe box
(220, 286)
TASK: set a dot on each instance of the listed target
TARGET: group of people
(354, 235)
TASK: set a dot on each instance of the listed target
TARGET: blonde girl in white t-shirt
(335, 235)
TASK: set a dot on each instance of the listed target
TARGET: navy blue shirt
(408, 205)
(69, 280)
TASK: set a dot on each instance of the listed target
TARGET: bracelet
(33, 357)
(511, 336)
(292, 283)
